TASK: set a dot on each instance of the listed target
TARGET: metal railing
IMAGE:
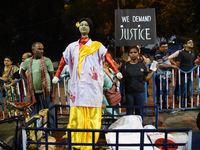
(147, 102)
(142, 134)
(179, 99)
(12, 94)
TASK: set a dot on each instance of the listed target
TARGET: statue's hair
(90, 25)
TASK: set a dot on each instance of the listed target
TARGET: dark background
(52, 22)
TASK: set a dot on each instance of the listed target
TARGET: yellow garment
(85, 51)
(84, 118)
(6, 74)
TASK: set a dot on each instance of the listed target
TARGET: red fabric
(83, 41)
(44, 80)
(111, 63)
(175, 72)
(31, 95)
(60, 67)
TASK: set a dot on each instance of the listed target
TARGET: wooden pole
(118, 7)
(118, 4)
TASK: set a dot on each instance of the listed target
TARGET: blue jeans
(135, 100)
(183, 90)
(164, 91)
(43, 104)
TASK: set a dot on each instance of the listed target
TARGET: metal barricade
(63, 79)
(117, 145)
(178, 83)
(3, 100)
(172, 102)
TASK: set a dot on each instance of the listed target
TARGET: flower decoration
(77, 24)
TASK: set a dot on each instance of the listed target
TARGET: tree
(53, 22)
(175, 17)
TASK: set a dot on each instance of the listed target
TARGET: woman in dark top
(135, 73)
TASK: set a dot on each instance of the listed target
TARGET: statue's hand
(119, 75)
(55, 80)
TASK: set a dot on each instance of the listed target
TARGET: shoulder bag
(113, 94)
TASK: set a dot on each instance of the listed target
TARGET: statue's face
(84, 29)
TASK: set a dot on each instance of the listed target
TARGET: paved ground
(182, 119)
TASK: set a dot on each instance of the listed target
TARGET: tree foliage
(53, 22)
(175, 17)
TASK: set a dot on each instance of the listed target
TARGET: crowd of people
(183, 59)
(92, 71)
